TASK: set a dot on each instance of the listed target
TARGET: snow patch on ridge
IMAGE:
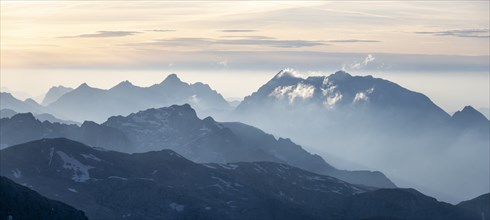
(17, 173)
(90, 156)
(177, 207)
(80, 170)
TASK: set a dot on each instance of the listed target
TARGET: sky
(440, 48)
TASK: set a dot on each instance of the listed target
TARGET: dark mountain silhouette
(479, 206)
(163, 184)
(89, 133)
(20, 202)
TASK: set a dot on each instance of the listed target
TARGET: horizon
(441, 96)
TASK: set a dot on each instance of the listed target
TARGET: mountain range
(87, 103)
(178, 128)
(357, 123)
(163, 184)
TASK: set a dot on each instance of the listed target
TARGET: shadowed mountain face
(20, 202)
(178, 128)
(87, 103)
(162, 184)
(376, 124)
(32, 129)
(479, 206)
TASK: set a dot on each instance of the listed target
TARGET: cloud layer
(471, 33)
(104, 34)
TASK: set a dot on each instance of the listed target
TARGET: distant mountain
(480, 206)
(340, 94)
(178, 128)
(87, 103)
(163, 184)
(54, 93)
(375, 124)
(20, 202)
(18, 94)
(471, 119)
(8, 113)
(33, 129)
(10, 102)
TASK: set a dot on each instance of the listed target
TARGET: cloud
(353, 41)
(302, 91)
(271, 42)
(254, 40)
(238, 31)
(161, 30)
(250, 37)
(471, 33)
(104, 34)
(358, 65)
(223, 63)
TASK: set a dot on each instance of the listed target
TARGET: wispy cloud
(249, 41)
(104, 34)
(238, 30)
(271, 42)
(471, 33)
(359, 65)
(353, 41)
(161, 30)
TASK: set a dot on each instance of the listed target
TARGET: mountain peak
(340, 75)
(83, 86)
(469, 108)
(172, 79)
(24, 117)
(469, 112)
(287, 73)
(123, 84)
(7, 95)
(31, 101)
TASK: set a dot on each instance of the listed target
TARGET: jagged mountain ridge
(87, 103)
(89, 133)
(105, 183)
(178, 128)
(8, 113)
(10, 102)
